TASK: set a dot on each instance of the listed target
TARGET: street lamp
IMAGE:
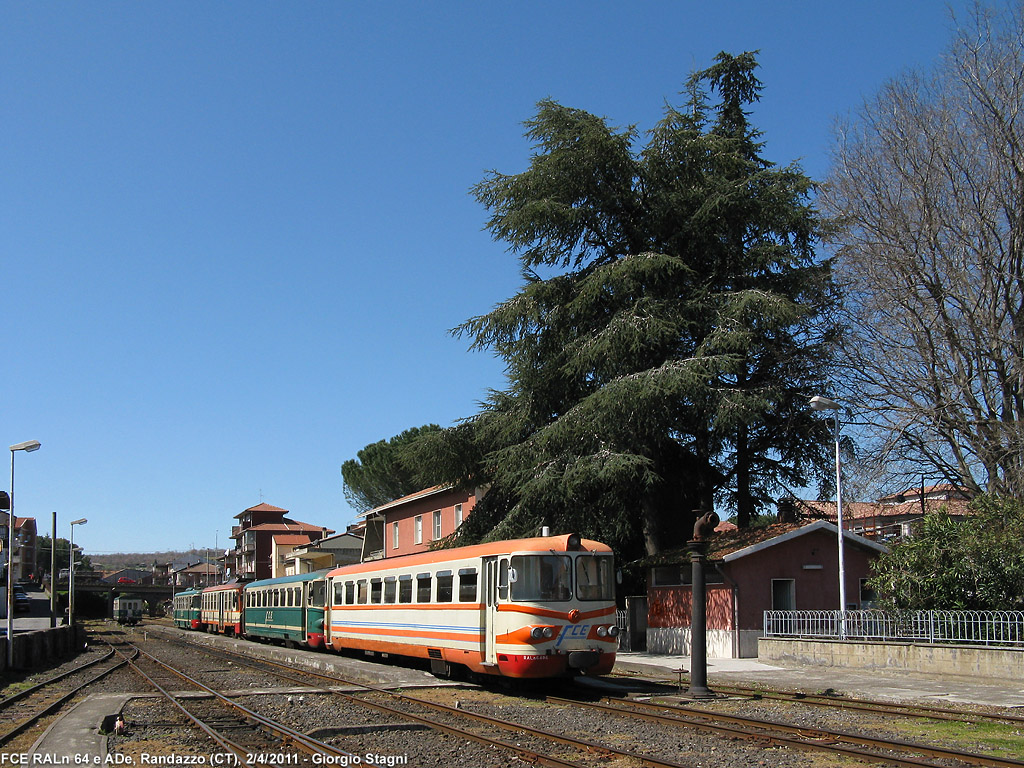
(71, 572)
(819, 403)
(28, 446)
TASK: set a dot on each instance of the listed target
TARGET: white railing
(991, 628)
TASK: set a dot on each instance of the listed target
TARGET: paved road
(38, 616)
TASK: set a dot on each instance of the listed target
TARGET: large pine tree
(670, 327)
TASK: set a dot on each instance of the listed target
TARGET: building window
(458, 515)
(868, 596)
(783, 595)
(437, 524)
(418, 529)
(394, 535)
(682, 575)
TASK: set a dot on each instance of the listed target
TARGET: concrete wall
(966, 661)
(675, 641)
(722, 643)
(42, 647)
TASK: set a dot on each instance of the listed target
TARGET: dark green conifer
(670, 328)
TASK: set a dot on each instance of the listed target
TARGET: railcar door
(491, 626)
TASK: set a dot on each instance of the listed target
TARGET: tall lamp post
(28, 446)
(819, 403)
(71, 572)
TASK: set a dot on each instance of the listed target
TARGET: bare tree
(927, 191)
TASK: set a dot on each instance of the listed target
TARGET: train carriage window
(423, 584)
(390, 589)
(362, 592)
(350, 593)
(376, 590)
(467, 585)
(338, 593)
(595, 579)
(503, 579)
(318, 593)
(405, 588)
(288, 596)
(298, 595)
(444, 586)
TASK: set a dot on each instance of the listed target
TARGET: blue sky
(234, 235)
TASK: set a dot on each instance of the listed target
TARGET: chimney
(786, 510)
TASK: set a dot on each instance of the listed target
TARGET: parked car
(125, 580)
(22, 603)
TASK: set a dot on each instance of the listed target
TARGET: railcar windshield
(549, 578)
(595, 577)
(542, 577)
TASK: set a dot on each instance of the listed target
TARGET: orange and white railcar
(526, 608)
(220, 609)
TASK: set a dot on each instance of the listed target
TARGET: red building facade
(414, 522)
(253, 555)
(785, 566)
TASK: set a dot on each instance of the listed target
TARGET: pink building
(414, 522)
(783, 566)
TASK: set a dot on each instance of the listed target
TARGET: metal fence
(991, 628)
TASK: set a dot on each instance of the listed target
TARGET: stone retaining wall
(966, 661)
(41, 647)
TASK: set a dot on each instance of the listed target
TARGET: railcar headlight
(613, 631)
(602, 631)
(549, 632)
(537, 633)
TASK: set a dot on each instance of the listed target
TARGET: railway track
(25, 709)
(849, 744)
(834, 742)
(459, 723)
(241, 732)
(853, 704)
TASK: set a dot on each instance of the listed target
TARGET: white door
(490, 609)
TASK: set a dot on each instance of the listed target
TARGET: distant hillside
(145, 560)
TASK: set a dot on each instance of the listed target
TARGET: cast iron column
(702, 529)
